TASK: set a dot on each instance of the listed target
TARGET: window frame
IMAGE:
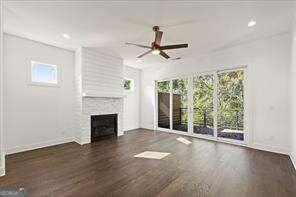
(46, 84)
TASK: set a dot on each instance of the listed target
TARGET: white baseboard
(147, 126)
(23, 148)
(77, 140)
(257, 146)
(293, 159)
(2, 171)
(130, 129)
(83, 140)
(269, 148)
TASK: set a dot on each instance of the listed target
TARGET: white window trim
(132, 85)
(30, 82)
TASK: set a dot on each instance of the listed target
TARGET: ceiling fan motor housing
(155, 28)
(154, 46)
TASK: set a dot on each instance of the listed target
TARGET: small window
(128, 85)
(43, 74)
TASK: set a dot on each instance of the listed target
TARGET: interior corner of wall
(147, 126)
(77, 140)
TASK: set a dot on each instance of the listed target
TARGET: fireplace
(103, 126)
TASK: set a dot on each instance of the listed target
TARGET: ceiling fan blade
(158, 36)
(163, 54)
(145, 53)
(138, 45)
(175, 46)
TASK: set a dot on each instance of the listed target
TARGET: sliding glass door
(203, 117)
(163, 95)
(204, 105)
(180, 104)
(231, 105)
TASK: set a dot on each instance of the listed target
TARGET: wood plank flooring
(108, 168)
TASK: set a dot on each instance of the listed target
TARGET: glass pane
(180, 104)
(128, 84)
(43, 73)
(203, 89)
(163, 91)
(231, 105)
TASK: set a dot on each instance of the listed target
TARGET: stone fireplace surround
(99, 106)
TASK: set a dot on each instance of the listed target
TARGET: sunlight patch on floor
(152, 155)
(184, 141)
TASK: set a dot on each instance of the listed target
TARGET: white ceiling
(205, 26)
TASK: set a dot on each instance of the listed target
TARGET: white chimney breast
(99, 88)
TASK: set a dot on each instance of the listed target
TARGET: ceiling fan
(155, 47)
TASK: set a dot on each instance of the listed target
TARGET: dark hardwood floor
(108, 168)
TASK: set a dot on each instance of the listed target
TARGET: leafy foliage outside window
(128, 84)
(163, 89)
(163, 86)
(203, 100)
(230, 101)
(180, 87)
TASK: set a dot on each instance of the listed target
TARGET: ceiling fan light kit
(155, 52)
(155, 47)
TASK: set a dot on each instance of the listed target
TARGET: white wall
(77, 108)
(2, 152)
(268, 63)
(131, 102)
(36, 116)
(293, 95)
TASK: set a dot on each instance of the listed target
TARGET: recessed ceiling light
(66, 36)
(251, 23)
(177, 58)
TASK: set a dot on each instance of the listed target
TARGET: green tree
(203, 99)
(127, 84)
(231, 99)
(163, 86)
(180, 87)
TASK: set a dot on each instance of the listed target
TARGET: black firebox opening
(103, 126)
